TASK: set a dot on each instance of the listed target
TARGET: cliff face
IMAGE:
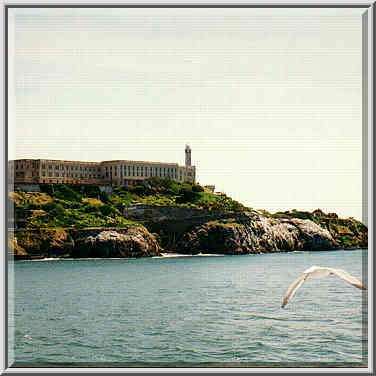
(256, 234)
(239, 233)
(133, 243)
(178, 229)
(125, 242)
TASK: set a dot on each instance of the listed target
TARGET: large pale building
(119, 172)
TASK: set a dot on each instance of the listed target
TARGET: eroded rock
(258, 234)
(136, 242)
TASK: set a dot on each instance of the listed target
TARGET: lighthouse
(188, 160)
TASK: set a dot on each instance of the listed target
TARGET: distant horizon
(270, 100)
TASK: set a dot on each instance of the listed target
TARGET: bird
(318, 272)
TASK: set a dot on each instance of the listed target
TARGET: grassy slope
(63, 206)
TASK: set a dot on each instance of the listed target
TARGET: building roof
(101, 162)
(142, 162)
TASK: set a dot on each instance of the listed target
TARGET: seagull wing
(347, 277)
(292, 289)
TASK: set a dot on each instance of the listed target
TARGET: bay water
(170, 311)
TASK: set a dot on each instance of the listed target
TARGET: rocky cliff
(99, 242)
(133, 243)
(236, 233)
(82, 221)
(70, 221)
(256, 234)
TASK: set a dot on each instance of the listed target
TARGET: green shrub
(47, 188)
(58, 210)
(91, 209)
(91, 191)
(197, 188)
(109, 210)
(141, 190)
(104, 197)
(66, 192)
(187, 195)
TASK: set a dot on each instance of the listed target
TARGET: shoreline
(165, 255)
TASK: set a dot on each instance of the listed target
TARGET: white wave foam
(164, 255)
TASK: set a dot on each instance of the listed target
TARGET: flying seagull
(318, 272)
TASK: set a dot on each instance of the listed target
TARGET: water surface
(215, 310)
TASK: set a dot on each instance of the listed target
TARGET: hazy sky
(270, 100)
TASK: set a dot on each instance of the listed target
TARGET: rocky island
(162, 215)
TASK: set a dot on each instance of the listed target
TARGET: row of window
(141, 171)
(99, 176)
(124, 170)
(69, 167)
(90, 176)
(71, 175)
(69, 181)
(112, 171)
(21, 167)
(26, 166)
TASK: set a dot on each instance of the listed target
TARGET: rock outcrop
(256, 234)
(228, 233)
(100, 242)
(134, 243)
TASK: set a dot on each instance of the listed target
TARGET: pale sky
(270, 100)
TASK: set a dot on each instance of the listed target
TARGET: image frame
(368, 180)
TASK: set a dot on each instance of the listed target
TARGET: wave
(47, 259)
(78, 259)
(166, 255)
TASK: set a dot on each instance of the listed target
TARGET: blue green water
(188, 309)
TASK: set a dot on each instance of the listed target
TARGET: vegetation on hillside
(347, 232)
(51, 221)
(63, 205)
